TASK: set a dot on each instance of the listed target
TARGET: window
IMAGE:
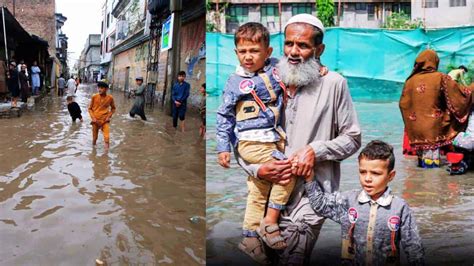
(107, 45)
(238, 13)
(305, 8)
(370, 11)
(269, 14)
(341, 11)
(457, 2)
(429, 3)
(396, 7)
(360, 6)
(405, 8)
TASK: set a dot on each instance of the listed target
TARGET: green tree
(325, 12)
(214, 16)
(402, 21)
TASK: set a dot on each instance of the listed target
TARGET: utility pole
(339, 13)
(176, 8)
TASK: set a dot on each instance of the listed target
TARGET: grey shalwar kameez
(138, 107)
(321, 115)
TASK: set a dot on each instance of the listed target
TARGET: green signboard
(167, 34)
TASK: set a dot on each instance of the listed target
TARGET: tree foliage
(214, 16)
(325, 12)
(401, 21)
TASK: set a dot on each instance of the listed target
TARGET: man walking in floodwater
(101, 109)
(138, 107)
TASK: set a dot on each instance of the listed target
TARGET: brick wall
(136, 60)
(37, 17)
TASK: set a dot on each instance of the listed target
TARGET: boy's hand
(178, 104)
(224, 159)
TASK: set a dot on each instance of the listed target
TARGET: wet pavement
(443, 205)
(63, 202)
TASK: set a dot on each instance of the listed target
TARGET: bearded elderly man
(322, 129)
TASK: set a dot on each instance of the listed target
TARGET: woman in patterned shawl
(434, 108)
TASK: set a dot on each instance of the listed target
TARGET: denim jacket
(372, 231)
(240, 111)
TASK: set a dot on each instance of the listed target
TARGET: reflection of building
(443, 13)
(90, 59)
(107, 40)
(61, 43)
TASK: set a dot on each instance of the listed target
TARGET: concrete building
(443, 13)
(129, 47)
(229, 15)
(107, 40)
(61, 43)
(187, 53)
(37, 17)
(90, 59)
(368, 13)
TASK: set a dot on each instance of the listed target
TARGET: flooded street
(63, 202)
(443, 205)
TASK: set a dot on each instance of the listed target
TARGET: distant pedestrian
(19, 67)
(35, 78)
(24, 84)
(202, 110)
(179, 98)
(101, 109)
(71, 87)
(74, 109)
(61, 85)
(13, 83)
(138, 107)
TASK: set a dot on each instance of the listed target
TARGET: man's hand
(305, 163)
(276, 172)
(224, 159)
(178, 104)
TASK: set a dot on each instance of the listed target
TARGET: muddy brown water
(63, 202)
(442, 204)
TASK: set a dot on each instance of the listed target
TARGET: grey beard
(299, 75)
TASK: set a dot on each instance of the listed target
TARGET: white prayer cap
(308, 19)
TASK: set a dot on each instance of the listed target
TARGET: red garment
(407, 149)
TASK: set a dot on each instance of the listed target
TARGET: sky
(83, 18)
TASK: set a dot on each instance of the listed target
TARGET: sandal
(254, 248)
(270, 234)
